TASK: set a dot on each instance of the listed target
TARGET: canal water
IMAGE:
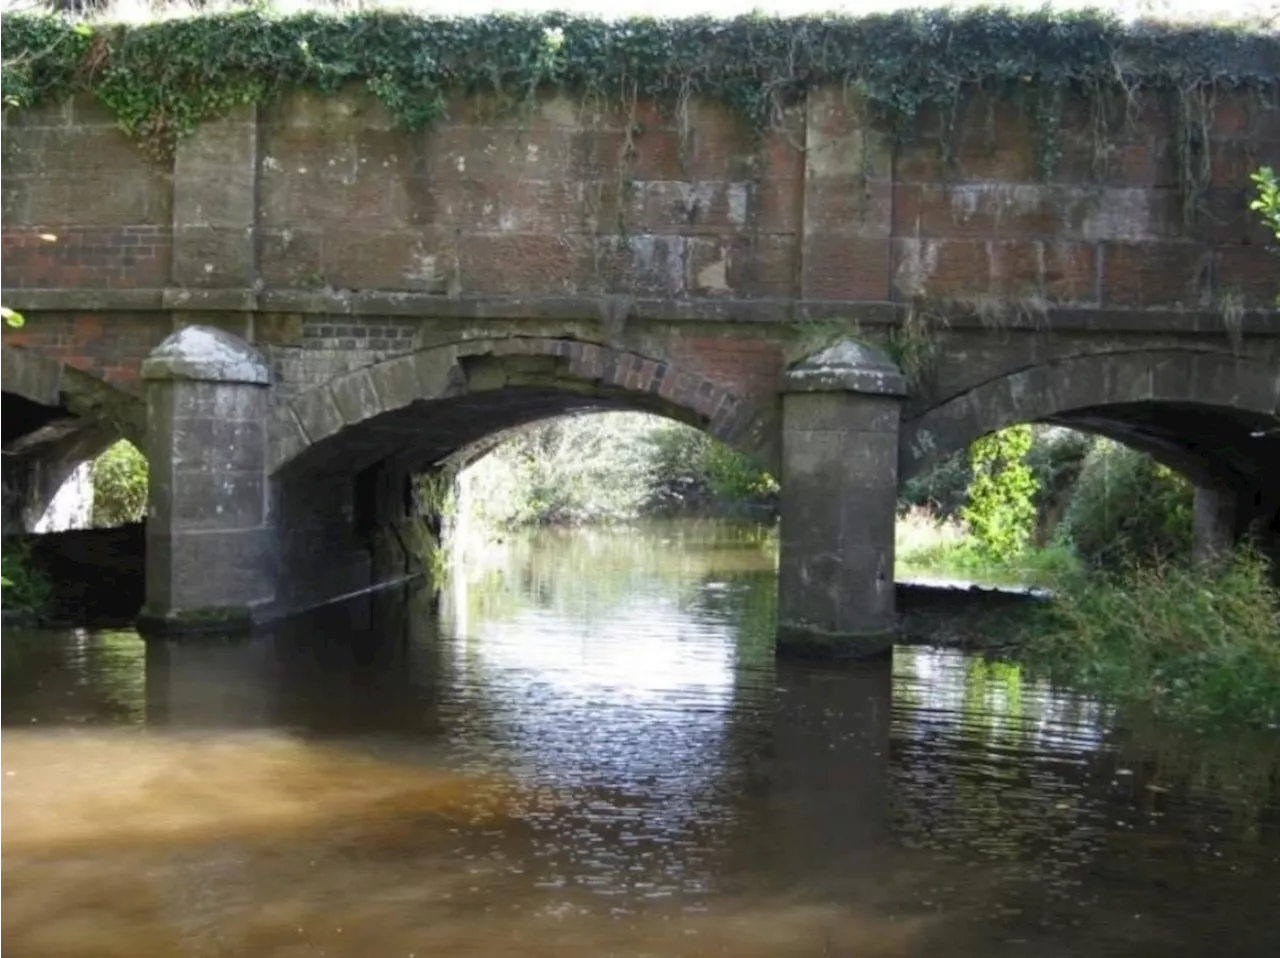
(587, 749)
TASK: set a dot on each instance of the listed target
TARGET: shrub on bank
(26, 589)
(690, 468)
(1174, 639)
(1128, 509)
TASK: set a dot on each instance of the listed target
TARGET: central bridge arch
(343, 456)
(434, 402)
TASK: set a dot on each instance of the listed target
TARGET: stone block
(201, 500)
(528, 264)
(369, 200)
(318, 413)
(90, 198)
(837, 266)
(849, 414)
(217, 446)
(1155, 274)
(851, 205)
(839, 495)
(213, 256)
(215, 173)
(396, 382)
(405, 260)
(436, 371)
(32, 376)
(292, 257)
(355, 397)
(188, 572)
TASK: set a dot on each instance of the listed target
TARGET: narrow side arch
(1101, 392)
(589, 376)
(56, 418)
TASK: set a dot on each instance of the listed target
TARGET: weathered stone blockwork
(414, 292)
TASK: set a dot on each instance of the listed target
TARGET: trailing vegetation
(1170, 638)
(163, 78)
(119, 486)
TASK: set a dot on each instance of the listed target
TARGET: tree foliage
(1128, 510)
(1001, 511)
(606, 467)
(119, 486)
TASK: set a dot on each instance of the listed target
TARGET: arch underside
(1211, 416)
(1211, 446)
(454, 402)
(429, 432)
(55, 418)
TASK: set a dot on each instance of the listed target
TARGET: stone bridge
(307, 305)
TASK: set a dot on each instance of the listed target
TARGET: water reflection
(589, 749)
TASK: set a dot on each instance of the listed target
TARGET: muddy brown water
(588, 749)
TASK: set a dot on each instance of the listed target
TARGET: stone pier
(210, 550)
(840, 413)
(1215, 523)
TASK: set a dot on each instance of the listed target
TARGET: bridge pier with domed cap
(840, 415)
(210, 549)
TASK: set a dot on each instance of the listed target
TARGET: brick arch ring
(439, 372)
(1040, 392)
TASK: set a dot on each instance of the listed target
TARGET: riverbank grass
(1196, 643)
(929, 547)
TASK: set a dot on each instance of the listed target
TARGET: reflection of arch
(444, 398)
(1207, 414)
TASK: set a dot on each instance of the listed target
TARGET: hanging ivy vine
(162, 79)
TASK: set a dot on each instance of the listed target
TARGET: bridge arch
(56, 417)
(435, 402)
(1213, 416)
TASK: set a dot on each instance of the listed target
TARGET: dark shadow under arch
(425, 406)
(1211, 416)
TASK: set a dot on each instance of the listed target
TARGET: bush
(1128, 509)
(26, 589)
(1169, 637)
(689, 465)
(119, 486)
(941, 490)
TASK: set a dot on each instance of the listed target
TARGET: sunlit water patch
(589, 749)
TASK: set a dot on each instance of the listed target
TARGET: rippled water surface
(589, 749)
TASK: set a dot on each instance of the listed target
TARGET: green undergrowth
(1170, 638)
(26, 590)
(163, 78)
(966, 560)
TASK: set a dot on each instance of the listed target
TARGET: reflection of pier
(828, 779)
(342, 667)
